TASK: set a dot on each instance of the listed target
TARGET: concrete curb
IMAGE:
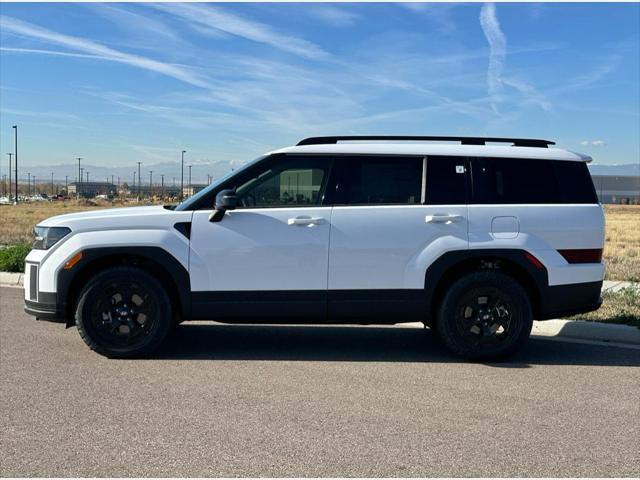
(583, 330)
(571, 329)
(8, 279)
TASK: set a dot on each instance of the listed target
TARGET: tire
(123, 312)
(485, 315)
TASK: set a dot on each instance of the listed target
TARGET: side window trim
(423, 187)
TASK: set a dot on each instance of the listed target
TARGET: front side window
(381, 180)
(286, 182)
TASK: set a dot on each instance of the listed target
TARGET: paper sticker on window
(459, 168)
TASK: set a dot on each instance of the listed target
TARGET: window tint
(519, 180)
(381, 180)
(576, 184)
(295, 181)
(446, 181)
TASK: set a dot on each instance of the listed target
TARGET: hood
(125, 214)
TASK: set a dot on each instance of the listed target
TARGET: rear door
(388, 212)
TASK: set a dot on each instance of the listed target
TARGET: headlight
(47, 237)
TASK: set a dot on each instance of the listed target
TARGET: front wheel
(485, 315)
(123, 312)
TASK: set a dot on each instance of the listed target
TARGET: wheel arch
(515, 263)
(154, 260)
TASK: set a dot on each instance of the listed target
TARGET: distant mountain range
(622, 170)
(199, 172)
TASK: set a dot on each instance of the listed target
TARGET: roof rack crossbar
(516, 142)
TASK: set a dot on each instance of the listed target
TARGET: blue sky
(120, 83)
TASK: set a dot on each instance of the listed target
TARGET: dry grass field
(622, 242)
(622, 245)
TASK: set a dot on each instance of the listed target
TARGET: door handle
(304, 220)
(442, 218)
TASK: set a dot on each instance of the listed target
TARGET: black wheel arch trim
(451, 265)
(173, 270)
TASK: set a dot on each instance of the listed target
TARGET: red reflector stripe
(534, 260)
(585, 255)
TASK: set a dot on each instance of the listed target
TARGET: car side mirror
(225, 200)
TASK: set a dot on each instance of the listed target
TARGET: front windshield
(193, 199)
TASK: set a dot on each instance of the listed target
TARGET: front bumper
(42, 305)
(51, 312)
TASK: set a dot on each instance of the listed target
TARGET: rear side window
(381, 180)
(446, 181)
(518, 181)
(576, 184)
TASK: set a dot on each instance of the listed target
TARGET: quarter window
(522, 181)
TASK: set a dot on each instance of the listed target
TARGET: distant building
(147, 191)
(617, 189)
(193, 189)
(91, 189)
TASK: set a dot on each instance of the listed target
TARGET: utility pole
(66, 186)
(79, 180)
(133, 188)
(87, 172)
(139, 180)
(10, 155)
(28, 184)
(190, 189)
(150, 183)
(162, 186)
(182, 176)
(52, 184)
(118, 190)
(34, 185)
(15, 153)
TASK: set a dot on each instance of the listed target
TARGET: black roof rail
(516, 142)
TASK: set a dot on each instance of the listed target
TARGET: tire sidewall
(162, 321)
(446, 320)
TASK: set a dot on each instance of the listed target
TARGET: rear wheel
(485, 315)
(123, 312)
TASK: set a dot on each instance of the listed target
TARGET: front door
(269, 256)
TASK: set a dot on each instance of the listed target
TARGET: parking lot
(311, 401)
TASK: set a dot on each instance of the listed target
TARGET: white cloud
(498, 50)
(336, 17)
(217, 19)
(594, 143)
(98, 50)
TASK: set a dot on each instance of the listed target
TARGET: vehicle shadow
(363, 344)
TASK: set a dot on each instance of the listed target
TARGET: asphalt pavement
(224, 400)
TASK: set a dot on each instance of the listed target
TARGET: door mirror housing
(225, 200)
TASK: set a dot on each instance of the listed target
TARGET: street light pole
(87, 172)
(139, 180)
(10, 155)
(79, 180)
(15, 153)
(190, 189)
(182, 176)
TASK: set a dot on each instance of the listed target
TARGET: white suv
(474, 240)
